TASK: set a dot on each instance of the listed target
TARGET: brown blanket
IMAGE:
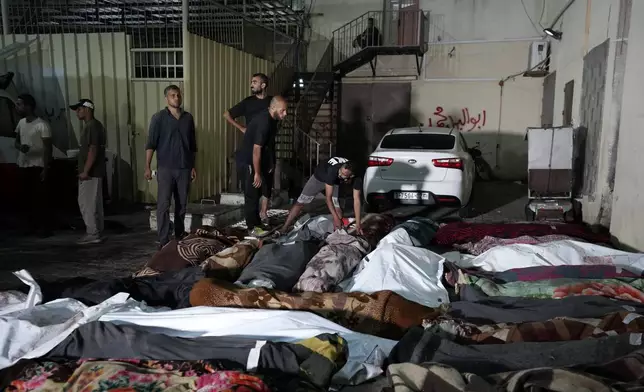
(559, 329)
(228, 264)
(383, 313)
(193, 249)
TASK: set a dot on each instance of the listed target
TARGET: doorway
(548, 100)
(569, 93)
(367, 112)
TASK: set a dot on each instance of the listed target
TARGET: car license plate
(411, 196)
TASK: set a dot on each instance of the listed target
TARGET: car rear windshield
(419, 141)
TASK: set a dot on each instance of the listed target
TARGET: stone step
(209, 214)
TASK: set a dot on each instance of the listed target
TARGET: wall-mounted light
(550, 31)
(553, 33)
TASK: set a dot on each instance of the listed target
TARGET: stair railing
(399, 28)
(309, 104)
(285, 70)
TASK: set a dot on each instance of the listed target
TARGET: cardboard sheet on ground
(34, 331)
(567, 252)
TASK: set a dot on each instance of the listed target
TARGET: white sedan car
(419, 166)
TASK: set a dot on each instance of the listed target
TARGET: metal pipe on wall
(185, 39)
(4, 6)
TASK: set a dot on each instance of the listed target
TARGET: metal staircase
(376, 33)
(304, 140)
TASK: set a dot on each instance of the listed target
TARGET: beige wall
(462, 81)
(218, 77)
(61, 68)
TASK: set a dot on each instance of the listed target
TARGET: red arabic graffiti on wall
(463, 122)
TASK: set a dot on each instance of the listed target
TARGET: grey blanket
(333, 263)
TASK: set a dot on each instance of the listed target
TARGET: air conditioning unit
(538, 59)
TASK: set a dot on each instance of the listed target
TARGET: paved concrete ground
(130, 242)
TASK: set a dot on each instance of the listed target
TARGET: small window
(8, 117)
(158, 64)
(419, 141)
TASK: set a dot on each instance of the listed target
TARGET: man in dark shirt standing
(91, 167)
(257, 155)
(327, 177)
(248, 108)
(172, 136)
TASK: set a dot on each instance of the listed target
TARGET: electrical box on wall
(538, 62)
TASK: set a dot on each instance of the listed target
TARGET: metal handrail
(353, 20)
(282, 75)
(402, 28)
(325, 65)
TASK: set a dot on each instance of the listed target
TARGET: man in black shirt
(257, 156)
(369, 37)
(248, 108)
(172, 136)
(327, 177)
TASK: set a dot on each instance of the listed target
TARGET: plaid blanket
(554, 330)
(383, 313)
(624, 374)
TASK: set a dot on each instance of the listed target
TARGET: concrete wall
(587, 25)
(627, 218)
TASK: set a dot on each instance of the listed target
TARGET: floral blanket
(629, 289)
(133, 375)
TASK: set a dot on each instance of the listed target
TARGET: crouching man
(328, 177)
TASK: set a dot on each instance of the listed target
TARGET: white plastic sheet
(414, 273)
(566, 252)
(33, 332)
(366, 352)
(12, 301)
(399, 236)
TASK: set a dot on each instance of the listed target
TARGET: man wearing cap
(172, 136)
(91, 168)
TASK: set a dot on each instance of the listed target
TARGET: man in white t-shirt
(33, 141)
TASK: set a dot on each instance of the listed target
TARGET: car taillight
(380, 161)
(449, 163)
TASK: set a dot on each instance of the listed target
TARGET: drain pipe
(6, 29)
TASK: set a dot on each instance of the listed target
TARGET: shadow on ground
(129, 244)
